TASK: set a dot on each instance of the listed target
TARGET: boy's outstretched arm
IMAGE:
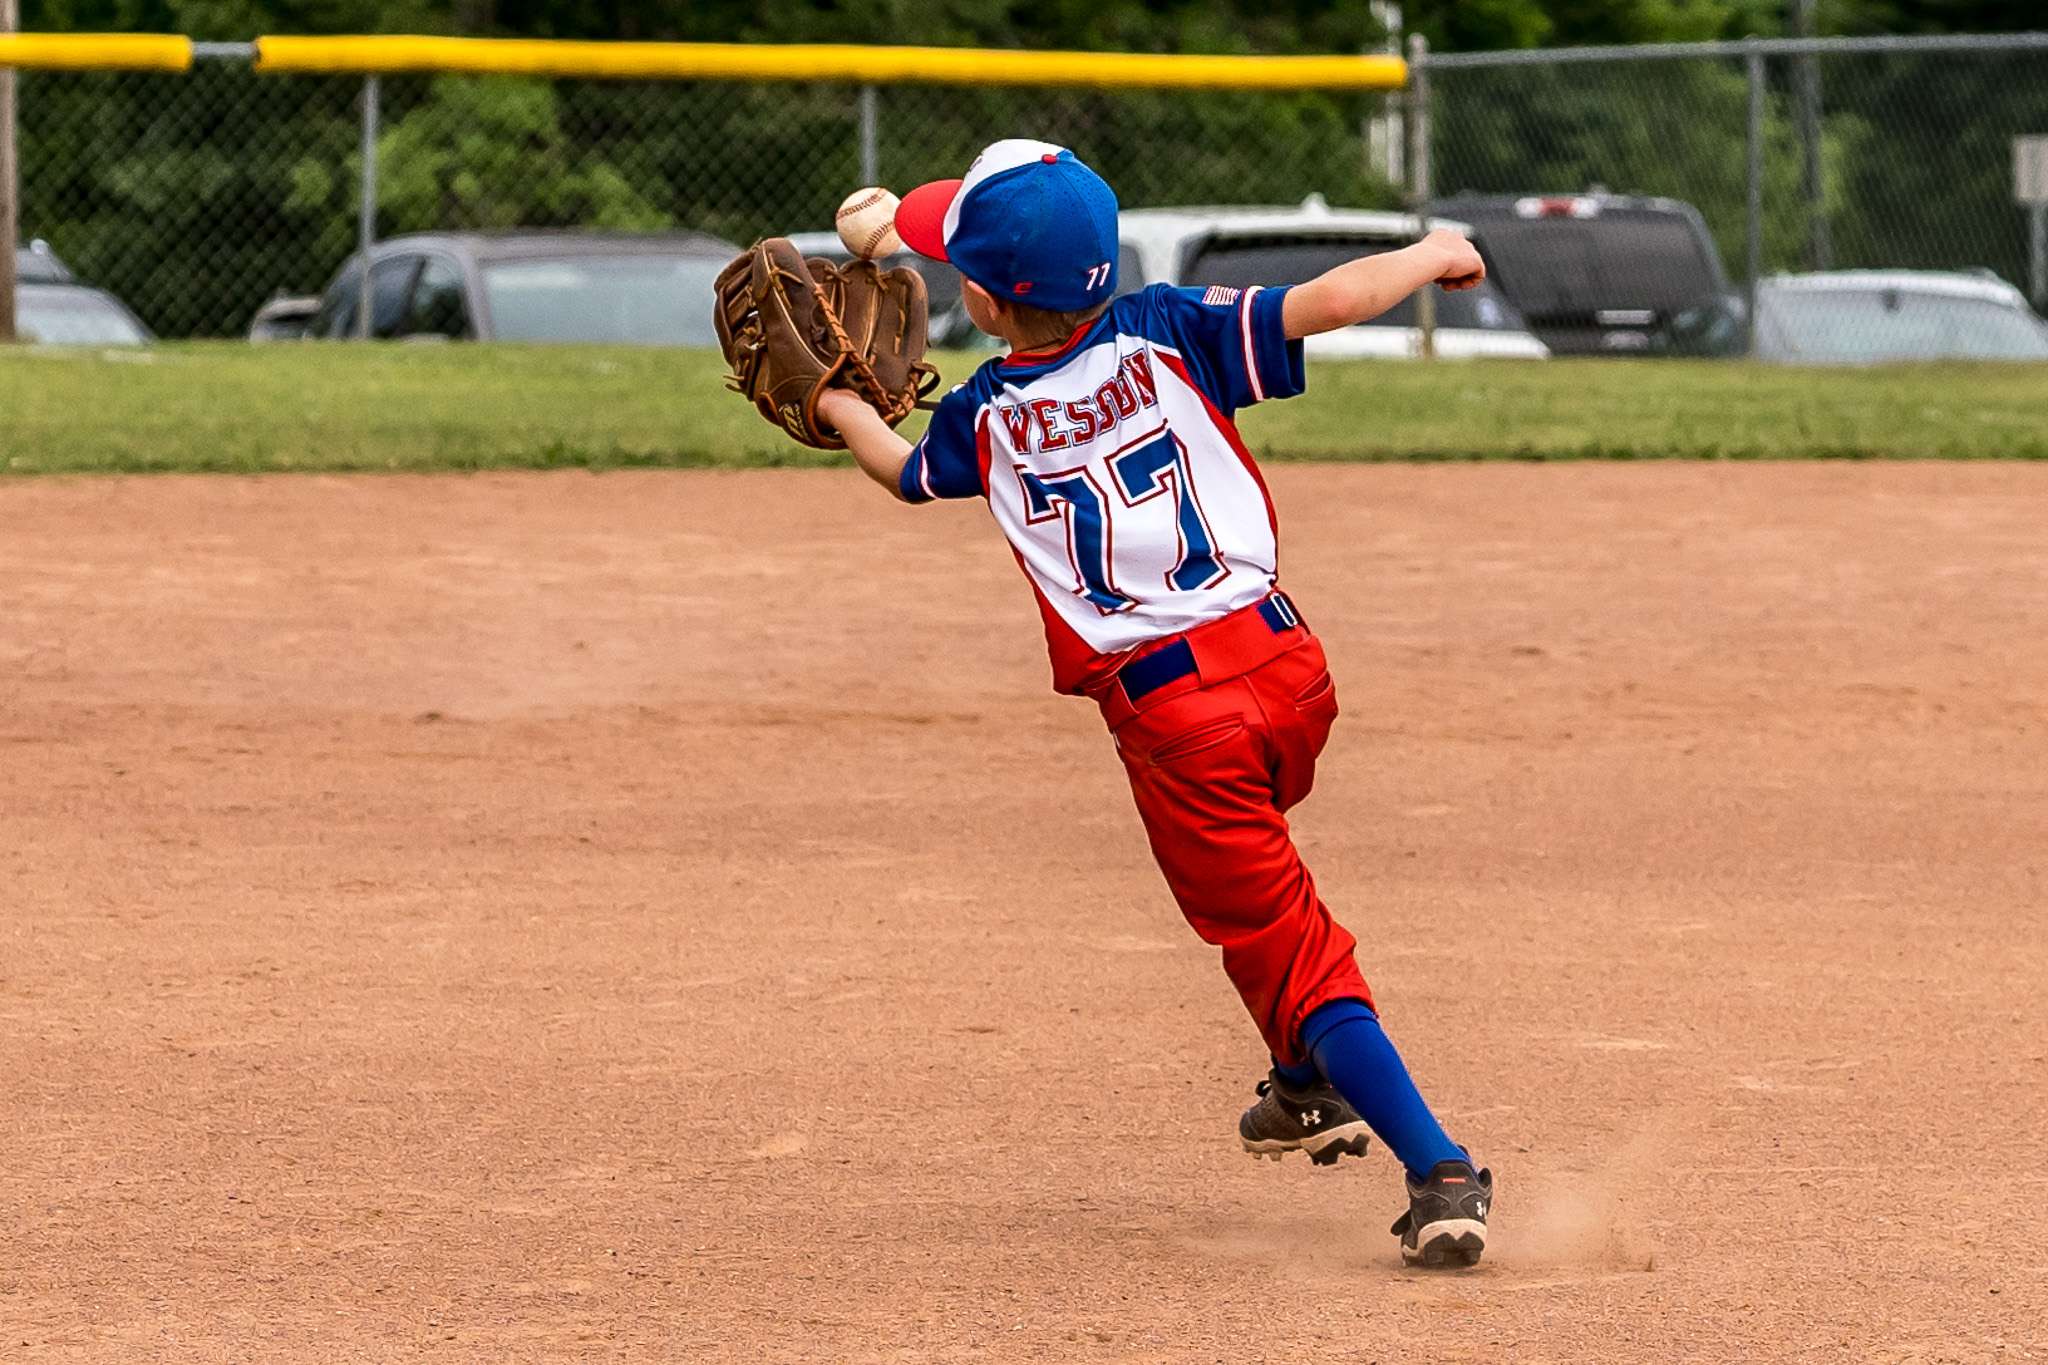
(1361, 290)
(878, 451)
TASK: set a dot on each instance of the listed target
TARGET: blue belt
(1169, 663)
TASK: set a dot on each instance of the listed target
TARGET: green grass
(237, 408)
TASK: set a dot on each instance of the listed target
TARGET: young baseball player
(1105, 444)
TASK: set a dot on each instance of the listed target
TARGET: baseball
(867, 223)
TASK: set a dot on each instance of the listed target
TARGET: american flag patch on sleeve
(1219, 295)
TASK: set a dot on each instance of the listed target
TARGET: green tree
(492, 153)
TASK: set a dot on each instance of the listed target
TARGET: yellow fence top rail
(713, 61)
(96, 51)
(826, 62)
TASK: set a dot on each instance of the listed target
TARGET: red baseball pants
(1214, 770)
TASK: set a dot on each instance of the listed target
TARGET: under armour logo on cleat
(1311, 1117)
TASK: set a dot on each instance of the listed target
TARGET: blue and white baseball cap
(1028, 222)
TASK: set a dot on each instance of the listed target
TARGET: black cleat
(1316, 1120)
(1446, 1220)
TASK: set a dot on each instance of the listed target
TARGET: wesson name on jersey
(1047, 424)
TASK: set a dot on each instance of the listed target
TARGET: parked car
(1246, 246)
(36, 263)
(285, 317)
(1607, 274)
(1869, 317)
(52, 307)
(535, 285)
(75, 315)
(949, 322)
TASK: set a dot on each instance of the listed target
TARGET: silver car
(52, 307)
(1872, 317)
(533, 285)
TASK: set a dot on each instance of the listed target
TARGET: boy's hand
(1359, 291)
(838, 407)
(1462, 266)
(879, 451)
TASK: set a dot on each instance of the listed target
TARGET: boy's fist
(1461, 267)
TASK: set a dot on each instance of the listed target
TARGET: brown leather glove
(792, 328)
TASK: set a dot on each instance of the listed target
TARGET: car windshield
(1868, 326)
(646, 300)
(1619, 260)
(33, 266)
(58, 316)
(1287, 259)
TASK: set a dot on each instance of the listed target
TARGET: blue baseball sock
(1300, 1077)
(1349, 1047)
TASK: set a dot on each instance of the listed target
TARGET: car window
(390, 289)
(1623, 259)
(650, 300)
(437, 307)
(61, 316)
(1867, 326)
(337, 315)
(1279, 258)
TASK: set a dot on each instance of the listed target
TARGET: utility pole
(1419, 186)
(10, 212)
(1806, 84)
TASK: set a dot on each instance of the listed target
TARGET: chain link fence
(190, 197)
(196, 197)
(1799, 156)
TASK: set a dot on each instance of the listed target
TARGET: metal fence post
(1755, 211)
(1419, 190)
(870, 154)
(366, 213)
(1806, 85)
(2037, 254)
(10, 213)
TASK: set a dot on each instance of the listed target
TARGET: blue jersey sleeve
(1234, 342)
(946, 461)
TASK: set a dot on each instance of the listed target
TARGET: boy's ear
(1000, 306)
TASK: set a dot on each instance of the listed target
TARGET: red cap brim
(921, 217)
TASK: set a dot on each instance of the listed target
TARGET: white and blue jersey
(1113, 465)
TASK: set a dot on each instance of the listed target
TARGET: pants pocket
(1322, 688)
(1198, 740)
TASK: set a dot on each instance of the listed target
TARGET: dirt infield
(665, 917)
